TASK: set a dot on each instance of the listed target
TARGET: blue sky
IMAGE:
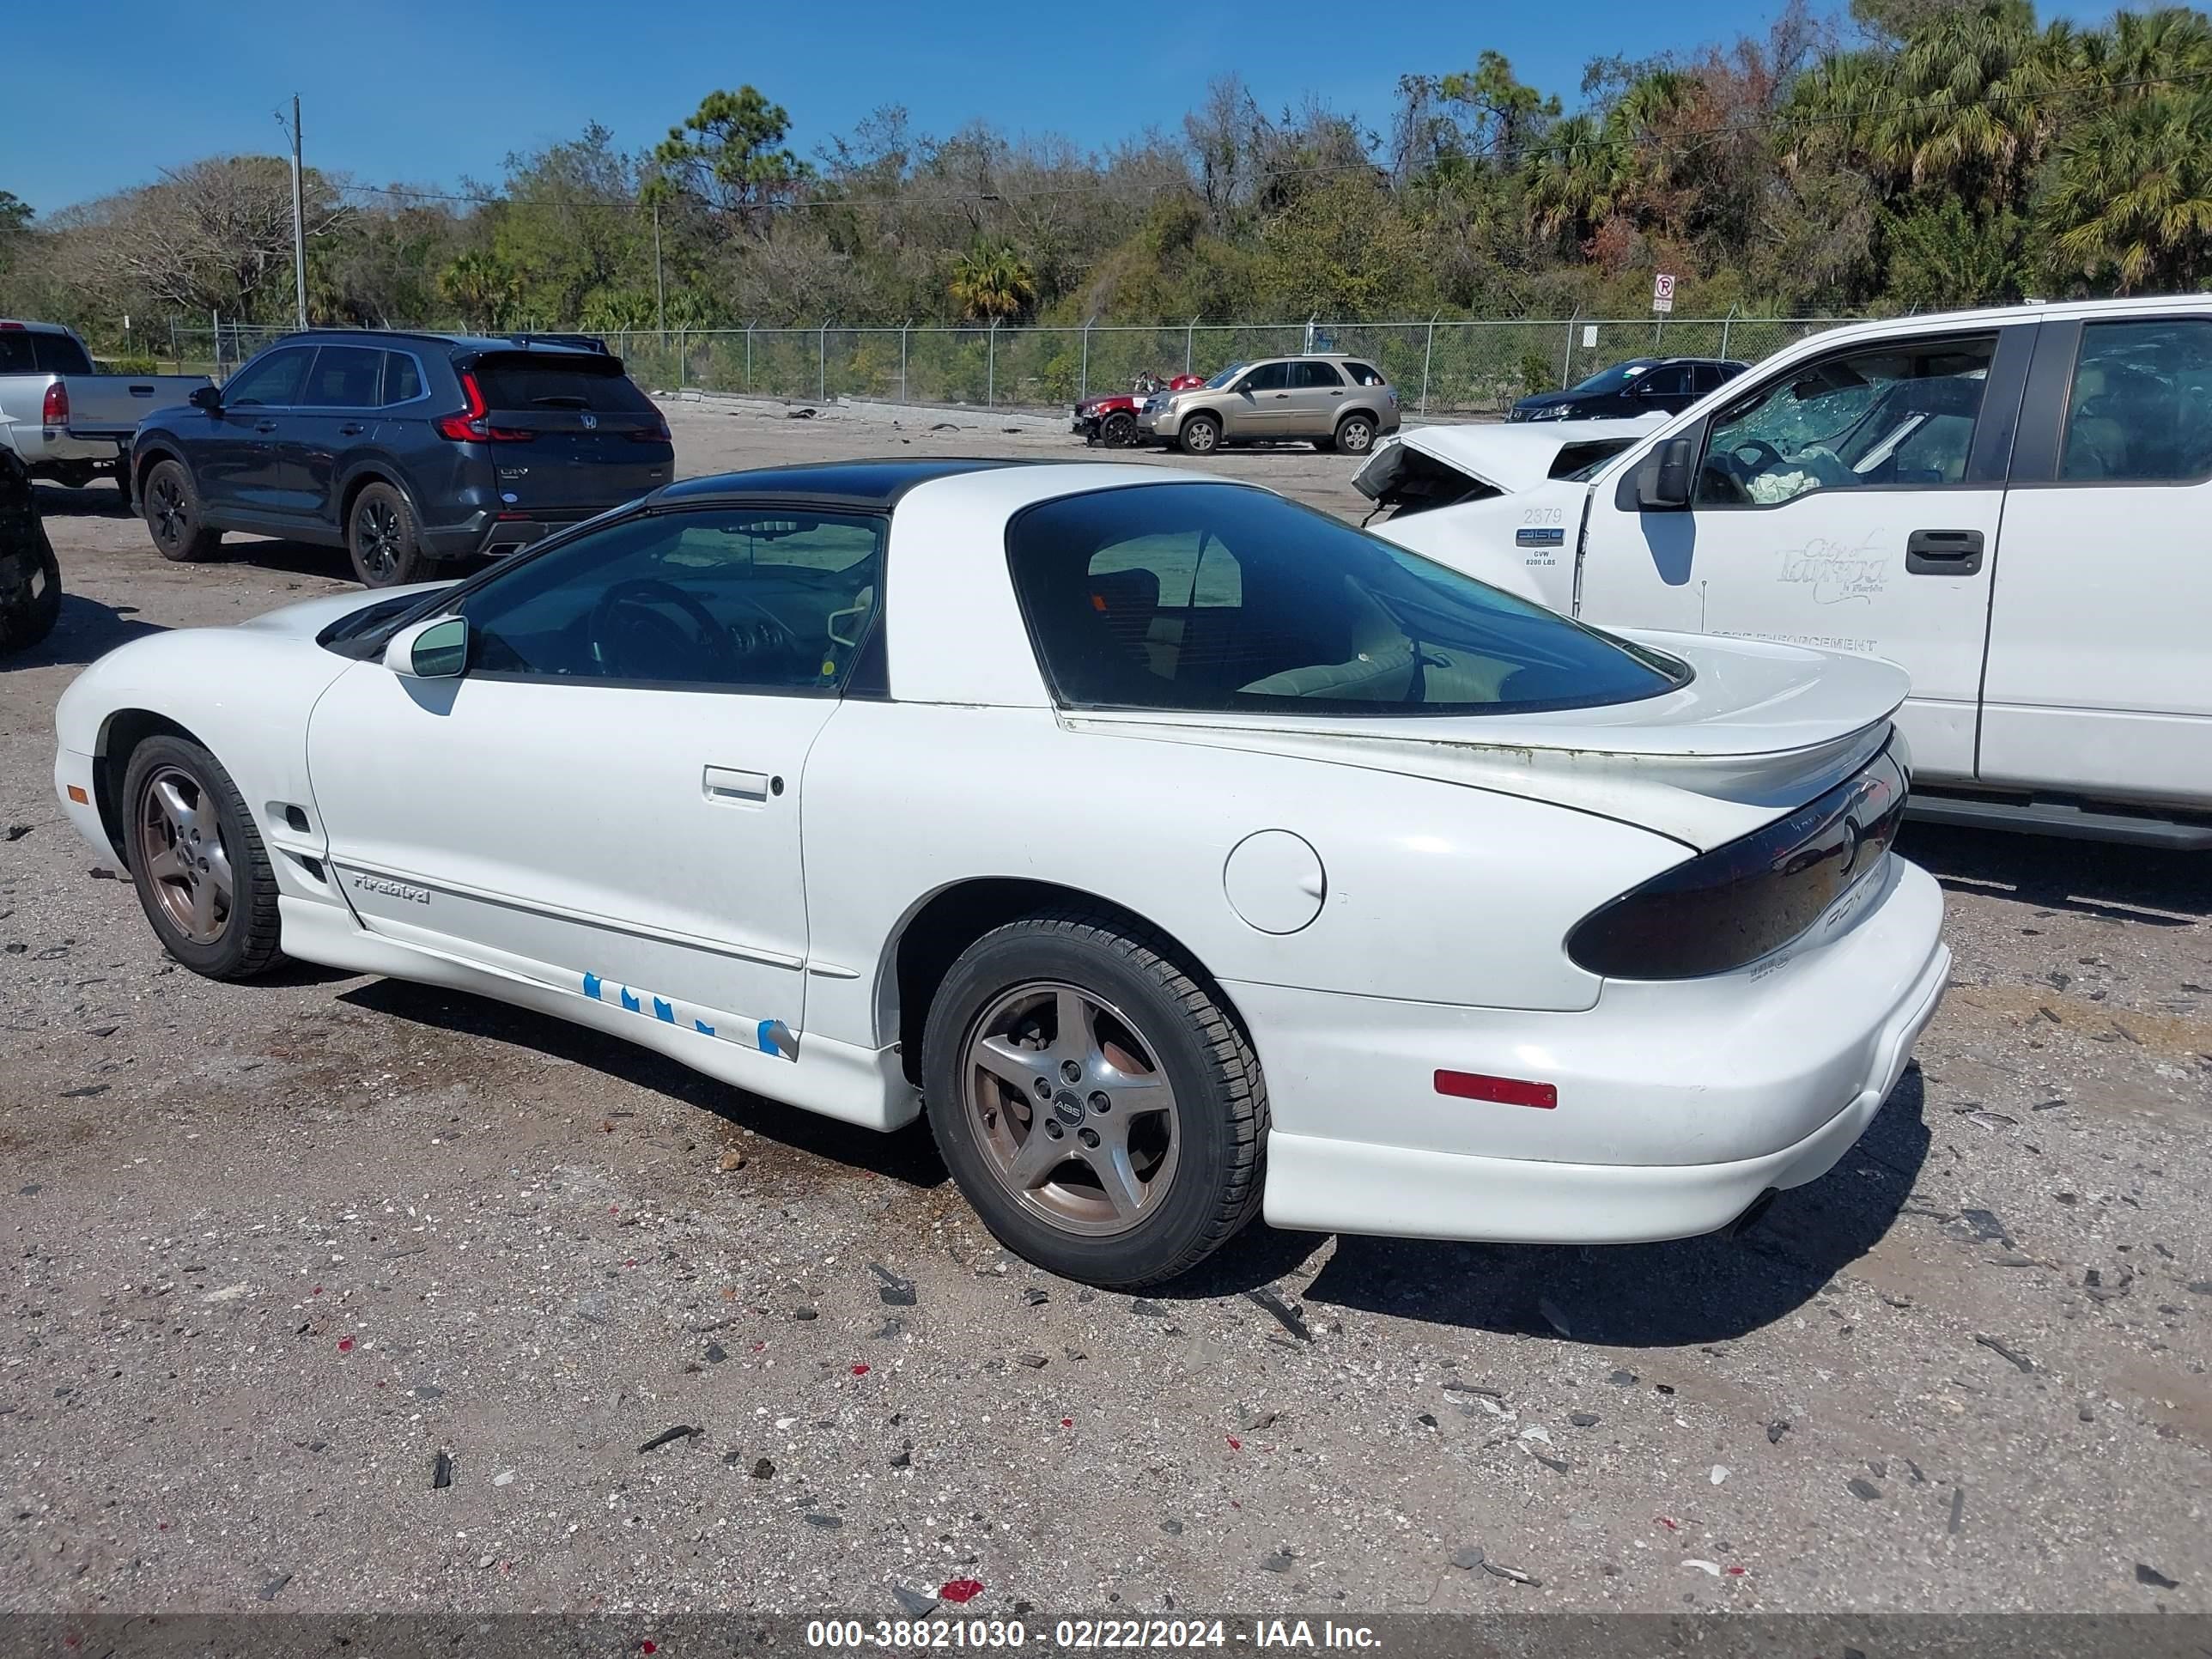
(103, 97)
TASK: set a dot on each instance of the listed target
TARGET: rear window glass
(1364, 373)
(57, 354)
(402, 379)
(599, 384)
(1216, 597)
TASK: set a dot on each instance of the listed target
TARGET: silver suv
(1333, 402)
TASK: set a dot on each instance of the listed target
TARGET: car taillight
(469, 425)
(55, 409)
(1730, 907)
(657, 433)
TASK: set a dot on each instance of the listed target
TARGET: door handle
(725, 786)
(1943, 552)
(266, 426)
(1282, 394)
(351, 431)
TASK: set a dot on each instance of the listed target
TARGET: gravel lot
(336, 1293)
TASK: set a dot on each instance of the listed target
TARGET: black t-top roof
(870, 484)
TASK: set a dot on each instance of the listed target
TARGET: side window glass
(57, 354)
(402, 379)
(2142, 403)
(274, 380)
(1364, 373)
(1315, 377)
(344, 377)
(1886, 415)
(732, 599)
(1268, 377)
(1669, 382)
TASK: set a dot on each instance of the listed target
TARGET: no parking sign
(1663, 292)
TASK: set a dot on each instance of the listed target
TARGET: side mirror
(208, 398)
(434, 650)
(1662, 482)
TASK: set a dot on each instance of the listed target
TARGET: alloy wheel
(165, 505)
(1071, 1108)
(376, 535)
(182, 854)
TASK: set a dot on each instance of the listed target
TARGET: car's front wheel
(1201, 435)
(1119, 430)
(171, 507)
(1094, 1101)
(202, 872)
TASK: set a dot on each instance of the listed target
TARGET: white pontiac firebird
(1181, 852)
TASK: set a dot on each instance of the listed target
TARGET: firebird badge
(398, 889)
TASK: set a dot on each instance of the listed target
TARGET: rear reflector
(1500, 1091)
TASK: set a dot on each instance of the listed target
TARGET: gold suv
(1331, 401)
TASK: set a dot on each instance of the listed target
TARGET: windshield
(1219, 596)
(1611, 380)
(1223, 377)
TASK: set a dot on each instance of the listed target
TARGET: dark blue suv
(407, 450)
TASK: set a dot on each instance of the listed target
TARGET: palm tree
(2129, 202)
(482, 288)
(992, 283)
(1579, 178)
(1970, 105)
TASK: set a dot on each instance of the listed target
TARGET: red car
(1110, 418)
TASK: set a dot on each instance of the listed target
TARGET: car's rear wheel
(198, 861)
(1355, 434)
(1094, 1101)
(173, 514)
(385, 541)
(1119, 430)
(1201, 435)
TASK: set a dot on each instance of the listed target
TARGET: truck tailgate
(112, 405)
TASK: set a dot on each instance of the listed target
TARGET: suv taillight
(469, 425)
(657, 433)
(1741, 901)
(55, 409)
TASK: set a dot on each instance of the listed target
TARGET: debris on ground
(2155, 1578)
(1712, 1567)
(913, 1601)
(762, 1469)
(1998, 1346)
(957, 1590)
(1720, 1474)
(681, 1431)
(1776, 1430)
(270, 1591)
(1035, 1297)
(732, 1160)
(1280, 1561)
(1286, 1316)
(441, 1472)
(1036, 1362)
(1467, 1559)
(1583, 1419)
(1513, 1573)
(895, 1293)
(1864, 1488)
(1958, 1509)
(1553, 1317)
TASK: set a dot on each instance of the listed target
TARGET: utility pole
(299, 220)
(659, 283)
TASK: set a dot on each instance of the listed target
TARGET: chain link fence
(1447, 366)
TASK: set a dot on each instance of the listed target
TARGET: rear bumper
(1678, 1103)
(490, 534)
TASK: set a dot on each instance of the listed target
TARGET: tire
(1201, 435)
(171, 509)
(120, 472)
(173, 792)
(385, 541)
(1325, 446)
(1119, 430)
(26, 620)
(1355, 433)
(1192, 1167)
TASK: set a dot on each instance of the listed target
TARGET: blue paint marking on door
(631, 1002)
(663, 1009)
(702, 1028)
(592, 987)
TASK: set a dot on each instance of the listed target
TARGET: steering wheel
(627, 632)
(1763, 453)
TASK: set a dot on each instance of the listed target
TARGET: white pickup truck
(2014, 506)
(65, 422)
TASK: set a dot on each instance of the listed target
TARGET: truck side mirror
(208, 398)
(1661, 484)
